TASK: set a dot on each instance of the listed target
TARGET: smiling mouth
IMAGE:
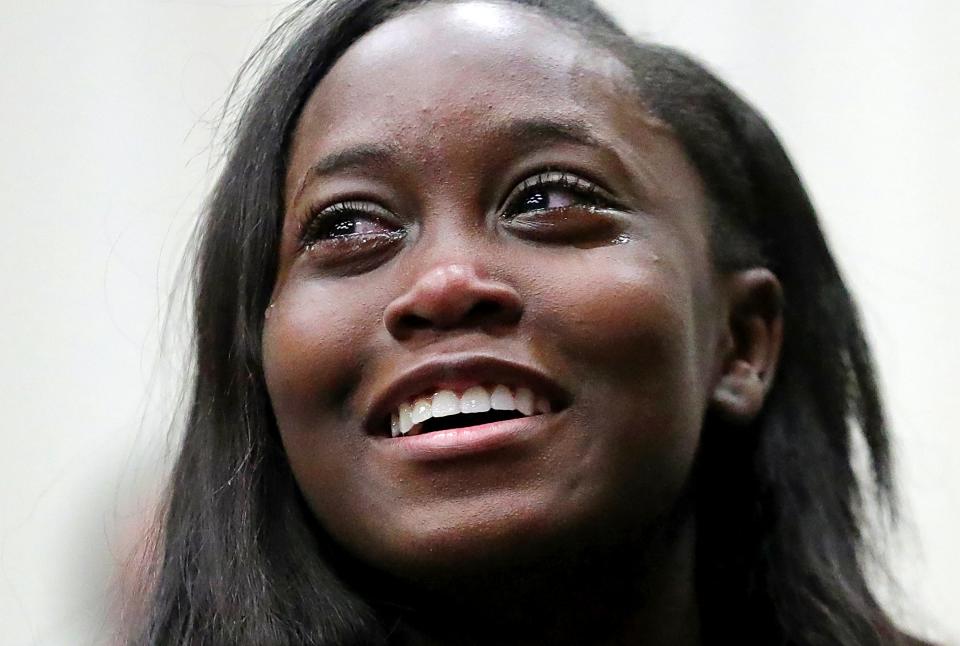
(475, 406)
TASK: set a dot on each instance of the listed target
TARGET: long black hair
(780, 556)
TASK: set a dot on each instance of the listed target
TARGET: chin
(467, 542)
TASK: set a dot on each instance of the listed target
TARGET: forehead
(462, 67)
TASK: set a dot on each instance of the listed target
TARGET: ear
(749, 344)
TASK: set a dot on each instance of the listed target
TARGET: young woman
(512, 330)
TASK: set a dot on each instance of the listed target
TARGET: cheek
(626, 320)
(628, 333)
(313, 354)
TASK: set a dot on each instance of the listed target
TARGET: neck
(629, 595)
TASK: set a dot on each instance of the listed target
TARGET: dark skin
(471, 181)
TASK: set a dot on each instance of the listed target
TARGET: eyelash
(588, 194)
(321, 224)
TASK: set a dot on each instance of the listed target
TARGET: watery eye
(348, 221)
(351, 226)
(559, 207)
(553, 190)
(537, 199)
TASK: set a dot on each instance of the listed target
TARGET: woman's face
(475, 198)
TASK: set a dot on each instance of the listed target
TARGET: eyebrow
(527, 132)
(522, 133)
(353, 157)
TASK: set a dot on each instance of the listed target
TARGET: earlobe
(751, 344)
(740, 393)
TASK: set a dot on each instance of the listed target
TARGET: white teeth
(422, 411)
(475, 400)
(406, 423)
(502, 399)
(524, 401)
(445, 402)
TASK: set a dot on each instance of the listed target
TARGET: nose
(453, 295)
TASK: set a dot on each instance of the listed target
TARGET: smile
(463, 390)
(477, 405)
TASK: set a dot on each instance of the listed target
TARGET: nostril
(482, 310)
(452, 297)
(475, 315)
(478, 314)
(414, 322)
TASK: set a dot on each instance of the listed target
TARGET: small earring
(268, 311)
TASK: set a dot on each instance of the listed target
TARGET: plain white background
(107, 148)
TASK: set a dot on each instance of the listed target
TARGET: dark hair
(779, 506)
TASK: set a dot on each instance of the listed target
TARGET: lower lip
(469, 440)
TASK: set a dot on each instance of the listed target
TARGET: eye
(554, 190)
(351, 236)
(559, 207)
(348, 220)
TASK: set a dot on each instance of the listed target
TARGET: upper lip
(457, 372)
